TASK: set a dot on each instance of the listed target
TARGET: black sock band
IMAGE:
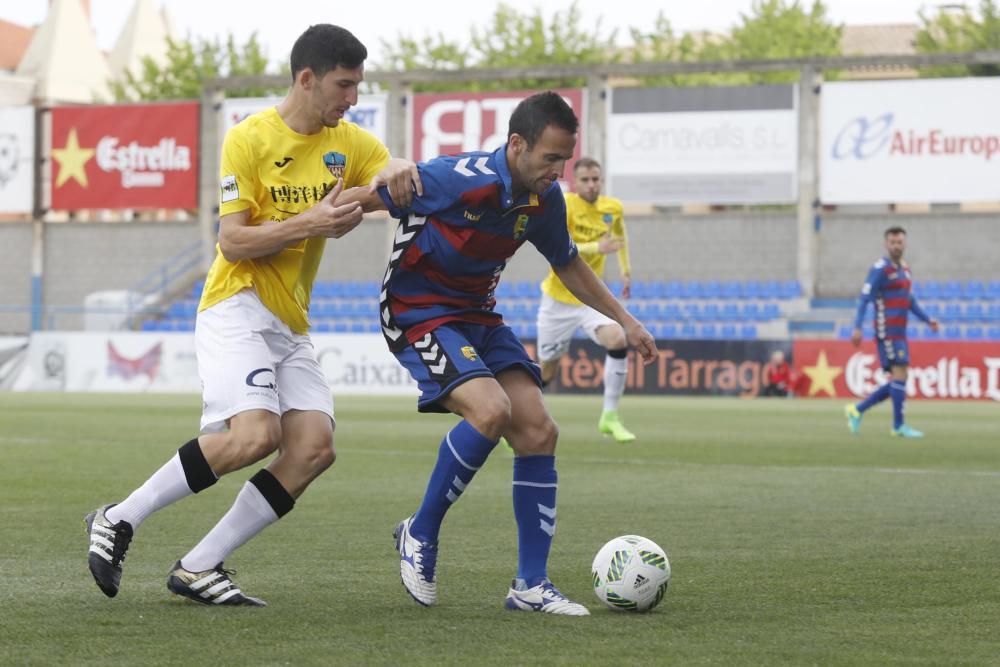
(198, 473)
(274, 493)
(618, 354)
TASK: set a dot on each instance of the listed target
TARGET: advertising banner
(125, 156)
(930, 140)
(17, 159)
(369, 113)
(450, 123)
(719, 145)
(684, 368)
(946, 369)
(166, 362)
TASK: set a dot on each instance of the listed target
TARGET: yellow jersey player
(596, 225)
(291, 177)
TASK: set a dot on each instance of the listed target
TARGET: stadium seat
(671, 312)
(973, 289)
(731, 312)
(933, 309)
(728, 331)
(993, 333)
(770, 289)
(615, 286)
(322, 326)
(197, 289)
(844, 333)
(752, 289)
(953, 312)
(929, 289)
(641, 289)
(712, 289)
(951, 289)
(974, 333)
(665, 330)
(673, 289)
(732, 289)
(993, 290)
(691, 290)
(748, 331)
(952, 332)
(771, 312)
(752, 311)
(689, 331)
(993, 312)
(652, 312)
(151, 325)
(711, 312)
(708, 331)
(528, 289)
(341, 327)
(974, 312)
(790, 289)
(692, 311)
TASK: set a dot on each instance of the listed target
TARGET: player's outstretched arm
(581, 281)
(238, 239)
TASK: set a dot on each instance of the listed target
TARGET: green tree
(960, 31)
(188, 65)
(512, 39)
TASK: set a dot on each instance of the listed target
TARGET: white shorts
(558, 321)
(248, 359)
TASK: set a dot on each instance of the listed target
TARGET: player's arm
(623, 259)
(238, 239)
(916, 309)
(581, 281)
(871, 284)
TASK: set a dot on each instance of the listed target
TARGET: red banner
(952, 370)
(450, 123)
(125, 156)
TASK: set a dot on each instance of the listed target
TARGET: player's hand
(401, 179)
(934, 325)
(856, 337)
(627, 287)
(609, 244)
(331, 220)
(641, 340)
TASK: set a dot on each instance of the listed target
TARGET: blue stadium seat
(692, 311)
(752, 311)
(652, 312)
(993, 312)
(637, 308)
(993, 333)
(151, 325)
(752, 289)
(728, 331)
(322, 326)
(616, 287)
(341, 327)
(732, 289)
(951, 289)
(711, 312)
(771, 311)
(974, 289)
(641, 289)
(689, 331)
(691, 290)
(708, 331)
(748, 331)
(770, 289)
(712, 289)
(672, 290)
(974, 333)
(196, 290)
(528, 289)
(929, 289)
(933, 309)
(952, 332)
(671, 311)
(993, 290)
(844, 333)
(974, 312)
(731, 312)
(790, 289)
(504, 289)
(952, 312)
(913, 332)
(665, 330)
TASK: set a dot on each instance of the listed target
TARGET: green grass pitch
(791, 541)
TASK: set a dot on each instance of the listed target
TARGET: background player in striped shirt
(597, 227)
(438, 318)
(888, 289)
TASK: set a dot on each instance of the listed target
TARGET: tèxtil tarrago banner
(451, 123)
(946, 369)
(125, 156)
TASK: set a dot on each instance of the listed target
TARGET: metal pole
(597, 117)
(806, 231)
(208, 173)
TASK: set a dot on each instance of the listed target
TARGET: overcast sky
(278, 23)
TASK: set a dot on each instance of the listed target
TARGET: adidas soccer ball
(631, 573)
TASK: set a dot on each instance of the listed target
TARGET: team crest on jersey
(469, 352)
(608, 218)
(520, 226)
(336, 163)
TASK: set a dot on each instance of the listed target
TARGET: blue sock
(463, 451)
(535, 483)
(876, 397)
(898, 391)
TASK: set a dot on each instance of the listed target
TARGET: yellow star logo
(822, 375)
(72, 160)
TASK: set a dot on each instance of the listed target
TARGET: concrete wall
(15, 276)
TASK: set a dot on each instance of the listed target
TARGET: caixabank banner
(682, 368)
(945, 369)
(125, 156)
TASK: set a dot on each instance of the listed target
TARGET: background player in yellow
(291, 177)
(596, 225)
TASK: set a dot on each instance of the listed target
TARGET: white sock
(166, 486)
(250, 514)
(615, 374)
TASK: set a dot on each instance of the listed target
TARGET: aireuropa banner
(932, 140)
(450, 123)
(125, 156)
(369, 113)
(683, 368)
(946, 369)
(166, 362)
(729, 145)
(17, 159)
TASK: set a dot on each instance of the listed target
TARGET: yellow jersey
(275, 173)
(587, 224)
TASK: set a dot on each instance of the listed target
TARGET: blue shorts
(892, 352)
(457, 352)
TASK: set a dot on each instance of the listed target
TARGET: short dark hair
(586, 163)
(324, 47)
(892, 231)
(537, 112)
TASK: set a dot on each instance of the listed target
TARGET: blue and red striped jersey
(454, 241)
(888, 288)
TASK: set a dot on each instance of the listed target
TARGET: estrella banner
(451, 123)
(938, 369)
(125, 156)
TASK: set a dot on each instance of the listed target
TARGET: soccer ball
(631, 573)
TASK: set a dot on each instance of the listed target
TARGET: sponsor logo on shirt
(520, 226)
(472, 217)
(230, 191)
(469, 352)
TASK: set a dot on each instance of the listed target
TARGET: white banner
(166, 362)
(932, 140)
(17, 159)
(369, 113)
(710, 154)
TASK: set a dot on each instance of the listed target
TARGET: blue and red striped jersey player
(888, 289)
(438, 317)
